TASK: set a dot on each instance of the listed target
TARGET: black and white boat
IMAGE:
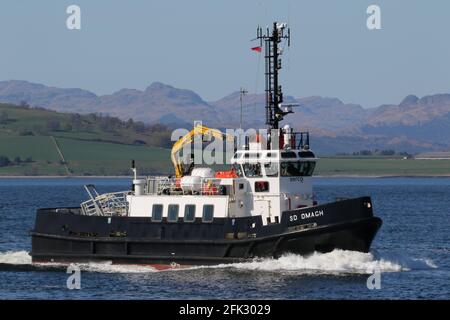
(263, 207)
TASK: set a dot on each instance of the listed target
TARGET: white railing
(174, 186)
(107, 204)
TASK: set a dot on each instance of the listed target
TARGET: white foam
(15, 257)
(410, 263)
(335, 262)
(109, 267)
(22, 258)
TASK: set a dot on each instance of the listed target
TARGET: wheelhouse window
(271, 169)
(306, 154)
(261, 186)
(189, 213)
(288, 155)
(172, 213)
(208, 213)
(252, 155)
(157, 212)
(297, 168)
(252, 170)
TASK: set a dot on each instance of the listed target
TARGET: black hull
(70, 237)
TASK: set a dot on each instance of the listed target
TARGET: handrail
(166, 186)
(107, 204)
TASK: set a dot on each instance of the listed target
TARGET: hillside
(158, 103)
(43, 142)
(414, 125)
(26, 121)
(38, 95)
(425, 119)
(319, 114)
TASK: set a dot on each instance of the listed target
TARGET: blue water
(412, 251)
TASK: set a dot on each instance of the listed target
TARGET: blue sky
(205, 46)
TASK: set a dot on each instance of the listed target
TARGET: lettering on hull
(306, 215)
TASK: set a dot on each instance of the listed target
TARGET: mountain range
(414, 125)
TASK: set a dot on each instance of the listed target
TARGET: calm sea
(412, 251)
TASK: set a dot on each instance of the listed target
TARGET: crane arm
(188, 139)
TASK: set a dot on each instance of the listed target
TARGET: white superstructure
(262, 182)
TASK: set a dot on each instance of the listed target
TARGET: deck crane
(199, 129)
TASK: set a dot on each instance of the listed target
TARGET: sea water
(411, 252)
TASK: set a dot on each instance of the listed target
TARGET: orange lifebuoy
(226, 174)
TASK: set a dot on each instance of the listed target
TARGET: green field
(90, 144)
(82, 157)
(96, 145)
(103, 158)
(382, 166)
(88, 157)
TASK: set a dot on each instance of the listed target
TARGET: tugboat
(263, 207)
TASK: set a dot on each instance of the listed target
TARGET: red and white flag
(257, 49)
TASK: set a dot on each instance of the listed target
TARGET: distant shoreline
(447, 175)
(355, 176)
(65, 177)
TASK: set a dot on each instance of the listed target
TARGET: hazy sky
(205, 46)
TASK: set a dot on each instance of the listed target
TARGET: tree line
(5, 161)
(376, 152)
(155, 134)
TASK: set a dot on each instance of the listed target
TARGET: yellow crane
(188, 139)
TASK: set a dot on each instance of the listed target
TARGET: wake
(335, 262)
(21, 261)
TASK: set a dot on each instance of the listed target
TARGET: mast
(242, 92)
(274, 94)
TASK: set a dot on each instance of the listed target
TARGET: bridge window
(172, 213)
(189, 213)
(261, 186)
(297, 168)
(208, 213)
(157, 211)
(306, 154)
(288, 155)
(252, 170)
(252, 155)
(271, 169)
